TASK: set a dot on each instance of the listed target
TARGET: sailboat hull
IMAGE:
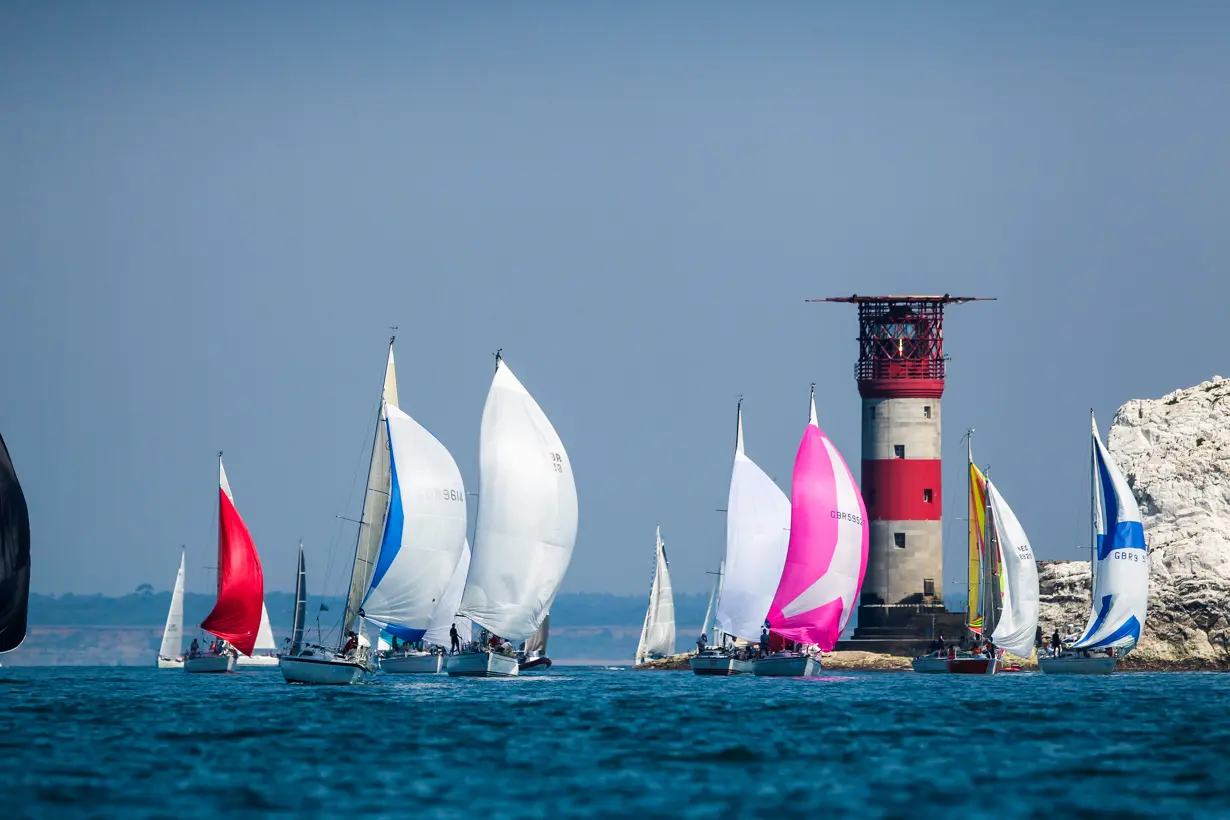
(170, 663)
(1076, 665)
(210, 664)
(257, 662)
(786, 665)
(931, 664)
(537, 662)
(322, 671)
(720, 665)
(422, 663)
(973, 665)
(482, 665)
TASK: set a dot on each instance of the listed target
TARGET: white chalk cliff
(1175, 452)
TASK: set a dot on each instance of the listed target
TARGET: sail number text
(1135, 556)
(557, 461)
(845, 516)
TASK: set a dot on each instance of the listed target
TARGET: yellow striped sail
(977, 529)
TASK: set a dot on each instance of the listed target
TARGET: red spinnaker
(236, 616)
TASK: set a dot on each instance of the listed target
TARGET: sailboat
(14, 555)
(703, 642)
(525, 531)
(533, 653)
(658, 632)
(825, 561)
(236, 615)
(264, 651)
(1119, 561)
(171, 653)
(757, 535)
(422, 540)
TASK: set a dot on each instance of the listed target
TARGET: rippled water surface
(142, 743)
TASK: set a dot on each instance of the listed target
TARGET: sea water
(136, 743)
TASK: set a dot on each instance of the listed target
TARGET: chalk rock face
(1175, 452)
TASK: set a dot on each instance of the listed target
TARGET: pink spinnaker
(827, 556)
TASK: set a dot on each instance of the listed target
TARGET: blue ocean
(137, 743)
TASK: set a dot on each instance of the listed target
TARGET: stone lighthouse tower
(900, 375)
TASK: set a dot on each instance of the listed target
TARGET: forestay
(527, 514)
(827, 555)
(757, 535)
(424, 533)
(658, 632)
(173, 633)
(1121, 568)
(1018, 623)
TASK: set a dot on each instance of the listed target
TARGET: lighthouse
(900, 375)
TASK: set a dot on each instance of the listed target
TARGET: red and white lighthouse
(900, 375)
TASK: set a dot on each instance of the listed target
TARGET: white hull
(417, 664)
(257, 662)
(210, 663)
(930, 665)
(170, 663)
(323, 671)
(786, 665)
(1075, 665)
(482, 665)
(721, 665)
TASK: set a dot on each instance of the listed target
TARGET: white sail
(706, 628)
(1018, 623)
(1121, 562)
(658, 633)
(173, 633)
(536, 644)
(264, 633)
(527, 514)
(445, 616)
(757, 537)
(424, 534)
(375, 504)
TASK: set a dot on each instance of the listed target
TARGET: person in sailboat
(1056, 643)
(194, 649)
(764, 639)
(352, 643)
(701, 643)
(455, 638)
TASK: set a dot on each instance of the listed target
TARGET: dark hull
(535, 663)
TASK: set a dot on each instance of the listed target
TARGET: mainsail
(709, 610)
(1018, 622)
(527, 515)
(1121, 558)
(14, 555)
(658, 632)
(757, 535)
(424, 533)
(445, 616)
(296, 632)
(264, 633)
(173, 633)
(827, 555)
(236, 615)
(375, 504)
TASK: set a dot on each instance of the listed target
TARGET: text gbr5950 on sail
(526, 528)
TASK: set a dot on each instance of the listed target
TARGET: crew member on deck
(351, 644)
(455, 637)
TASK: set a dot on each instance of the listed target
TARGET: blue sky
(211, 215)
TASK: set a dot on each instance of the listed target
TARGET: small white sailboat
(658, 632)
(757, 535)
(264, 651)
(348, 661)
(533, 653)
(235, 618)
(171, 653)
(525, 532)
(1119, 561)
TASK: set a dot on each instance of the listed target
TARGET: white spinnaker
(527, 514)
(445, 616)
(173, 632)
(757, 537)
(1018, 624)
(264, 633)
(425, 530)
(375, 504)
(658, 633)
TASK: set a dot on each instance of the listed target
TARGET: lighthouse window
(899, 540)
(926, 411)
(927, 497)
(898, 451)
(929, 587)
